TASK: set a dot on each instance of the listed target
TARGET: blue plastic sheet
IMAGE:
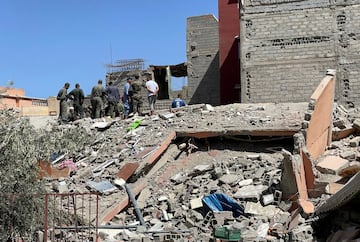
(220, 202)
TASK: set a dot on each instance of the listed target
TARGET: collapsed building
(250, 172)
(274, 168)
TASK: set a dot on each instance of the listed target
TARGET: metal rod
(133, 200)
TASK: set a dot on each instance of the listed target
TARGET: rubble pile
(213, 156)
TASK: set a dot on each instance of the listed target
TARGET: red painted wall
(229, 28)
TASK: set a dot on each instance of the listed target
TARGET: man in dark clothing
(136, 92)
(96, 99)
(113, 94)
(62, 97)
(127, 98)
(77, 95)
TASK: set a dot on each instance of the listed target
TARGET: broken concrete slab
(258, 209)
(333, 188)
(196, 203)
(250, 192)
(102, 186)
(332, 164)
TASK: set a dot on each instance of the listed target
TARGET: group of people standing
(132, 97)
(77, 96)
(129, 103)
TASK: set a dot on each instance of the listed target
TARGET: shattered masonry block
(245, 182)
(178, 178)
(277, 196)
(218, 172)
(266, 179)
(285, 205)
(262, 230)
(196, 215)
(332, 165)
(163, 198)
(165, 216)
(356, 124)
(229, 178)
(222, 216)
(340, 123)
(354, 142)
(302, 233)
(305, 125)
(259, 172)
(312, 104)
(143, 198)
(333, 187)
(253, 156)
(196, 203)
(167, 116)
(336, 145)
(189, 223)
(120, 182)
(250, 192)
(208, 107)
(141, 229)
(202, 168)
(307, 116)
(258, 209)
(102, 186)
(348, 155)
(63, 187)
(267, 199)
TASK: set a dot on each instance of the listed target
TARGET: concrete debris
(332, 164)
(251, 192)
(241, 150)
(102, 187)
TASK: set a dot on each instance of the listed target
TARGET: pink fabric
(68, 163)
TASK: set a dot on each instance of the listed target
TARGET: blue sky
(45, 43)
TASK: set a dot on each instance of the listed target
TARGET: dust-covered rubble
(244, 171)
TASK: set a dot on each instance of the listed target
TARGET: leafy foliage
(22, 193)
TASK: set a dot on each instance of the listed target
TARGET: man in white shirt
(153, 89)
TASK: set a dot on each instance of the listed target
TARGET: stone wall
(287, 46)
(202, 41)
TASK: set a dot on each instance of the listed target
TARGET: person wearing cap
(153, 88)
(62, 97)
(127, 98)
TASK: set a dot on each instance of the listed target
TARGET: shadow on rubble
(241, 143)
(341, 224)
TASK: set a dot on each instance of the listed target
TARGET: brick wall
(202, 41)
(287, 46)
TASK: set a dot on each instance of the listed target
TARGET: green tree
(22, 193)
